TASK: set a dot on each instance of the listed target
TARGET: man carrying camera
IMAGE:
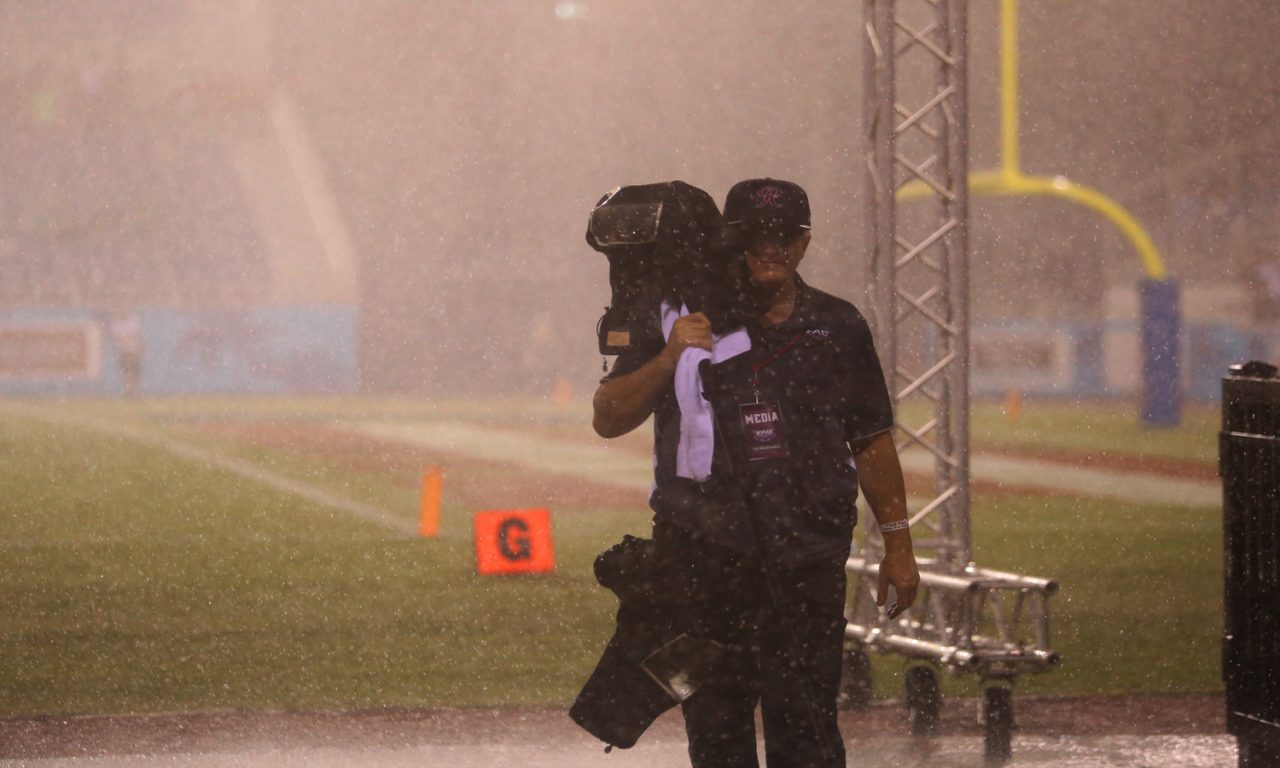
(757, 554)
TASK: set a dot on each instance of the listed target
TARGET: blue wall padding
(1161, 404)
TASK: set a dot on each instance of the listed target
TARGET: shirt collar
(801, 313)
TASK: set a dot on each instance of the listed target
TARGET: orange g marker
(513, 541)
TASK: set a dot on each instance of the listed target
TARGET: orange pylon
(429, 520)
(1013, 404)
(562, 391)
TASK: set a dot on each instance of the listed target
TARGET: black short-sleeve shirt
(820, 370)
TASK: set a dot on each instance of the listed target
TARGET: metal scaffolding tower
(989, 623)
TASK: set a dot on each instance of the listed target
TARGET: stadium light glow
(567, 10)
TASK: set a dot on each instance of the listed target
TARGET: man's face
(773, 257)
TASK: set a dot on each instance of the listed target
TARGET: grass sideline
(138, 581)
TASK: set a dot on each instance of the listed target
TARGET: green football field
(197, 554)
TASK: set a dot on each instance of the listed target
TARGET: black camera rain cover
(665, 241)
(620, 700)
(625, 223)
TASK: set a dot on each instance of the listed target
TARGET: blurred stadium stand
(428, 174)
(125, 218)
(151, 170)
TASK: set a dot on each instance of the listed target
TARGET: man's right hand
(621, 404)
(692, 330)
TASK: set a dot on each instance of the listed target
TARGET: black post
(1249, 462)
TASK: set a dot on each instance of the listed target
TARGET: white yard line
(616, 466)
(208, 458)
(1132, 487)
(603, 463)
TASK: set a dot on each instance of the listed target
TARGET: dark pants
(788, 628)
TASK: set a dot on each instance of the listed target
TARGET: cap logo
(767, 197)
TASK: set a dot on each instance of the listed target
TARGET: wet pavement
(1168, 731)
(1162, 751)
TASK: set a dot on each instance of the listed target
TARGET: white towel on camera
(697, 431)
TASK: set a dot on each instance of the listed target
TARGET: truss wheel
(924, 700)
(997, 709)
(855, 680)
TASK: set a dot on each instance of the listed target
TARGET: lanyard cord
(756, 368)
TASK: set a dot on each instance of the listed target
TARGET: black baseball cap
(767, 205)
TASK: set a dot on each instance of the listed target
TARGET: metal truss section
(989, 623)
(974, 620)
(920, 265)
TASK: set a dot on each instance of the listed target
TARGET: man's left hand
(898, 568)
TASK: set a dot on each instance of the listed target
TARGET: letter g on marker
(513, 541)
(522, 550)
